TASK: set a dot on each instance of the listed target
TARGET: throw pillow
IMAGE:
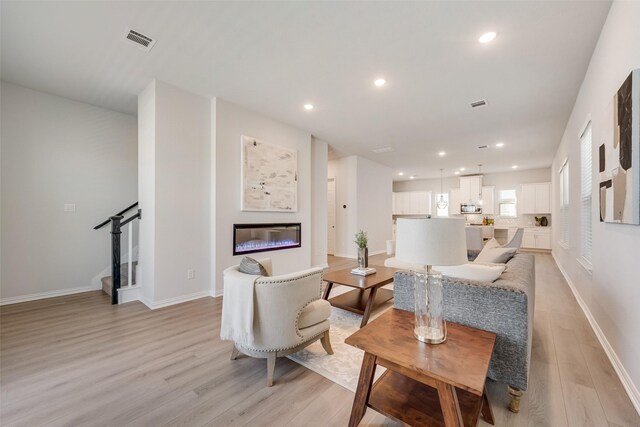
(495, 255)
(474, 272)
(249, 265)
(492, 243)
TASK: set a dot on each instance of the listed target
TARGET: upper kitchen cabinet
(535, 198)
(412, 203)
(470, 189)
(488, 201)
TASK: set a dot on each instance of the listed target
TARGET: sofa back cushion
(473, 272)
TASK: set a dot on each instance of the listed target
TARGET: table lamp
(425, 243)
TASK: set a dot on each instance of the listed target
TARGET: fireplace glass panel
(251, 238)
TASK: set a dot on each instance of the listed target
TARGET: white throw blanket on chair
(237, 307)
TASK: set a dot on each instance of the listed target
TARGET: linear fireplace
(251, 238)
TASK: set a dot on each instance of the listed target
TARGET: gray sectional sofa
(504, 307)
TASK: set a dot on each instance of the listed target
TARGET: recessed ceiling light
(514, 167)
(487, 37)
(457, 172)
(308, 107)
(379, 82)
(442, 153)
(412, 177)
(500, 144)
(462, 169)
(400, 173)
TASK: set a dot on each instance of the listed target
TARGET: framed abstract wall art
(619, 156)
(269, 177)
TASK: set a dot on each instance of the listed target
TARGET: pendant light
(479, 187)
(442, 203)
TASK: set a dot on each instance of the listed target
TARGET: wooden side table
(424, 385)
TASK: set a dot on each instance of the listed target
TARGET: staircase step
(107, 281)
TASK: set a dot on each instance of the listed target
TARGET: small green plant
(361, 239)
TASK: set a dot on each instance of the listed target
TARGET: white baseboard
(176, 300)
(624, 376)
(216, 293)
(43, 295)
(129, 293)
(345, 256)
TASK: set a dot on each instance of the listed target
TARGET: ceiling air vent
(480, 103)
(139, 40)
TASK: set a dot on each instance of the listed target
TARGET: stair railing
(117, 223)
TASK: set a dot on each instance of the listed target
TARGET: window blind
(507, 203)
(564, 203)
(586, 167)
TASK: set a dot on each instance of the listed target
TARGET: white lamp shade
(434, 241)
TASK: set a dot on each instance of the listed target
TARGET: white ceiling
(274, 57)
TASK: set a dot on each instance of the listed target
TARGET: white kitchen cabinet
(470, 188)
(488, 205)
(527, 200)
(411, 203)
(535, 198)
(487, 232)
(401, 203)
(423, 199)
(537, 238)
(465, 186)
(528, 240)
(543, 197)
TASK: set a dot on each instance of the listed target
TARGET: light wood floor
(77, 360)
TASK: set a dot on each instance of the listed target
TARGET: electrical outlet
(69, 207)
(191, 274)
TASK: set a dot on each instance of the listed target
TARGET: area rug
(343, 367)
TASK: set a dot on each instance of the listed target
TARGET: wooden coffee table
(425, 384)
(368, 293)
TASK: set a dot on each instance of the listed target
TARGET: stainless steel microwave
(470, 208)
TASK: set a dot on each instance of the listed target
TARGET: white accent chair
(516, 240)
(288, 314)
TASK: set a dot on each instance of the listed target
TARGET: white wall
(611, 293)
(57, 151)
(176, 194)
(319, 159)
(344, 172)
(231, 122)
(363, 201)
(374, 194)
(146, 190)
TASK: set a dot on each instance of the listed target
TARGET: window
(507, 203)
(564, 203)
(445, 211)
(585, 193)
